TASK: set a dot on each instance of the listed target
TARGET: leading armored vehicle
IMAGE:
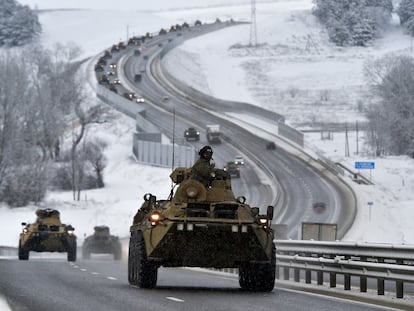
(102, 242)
(47, 234)
(206, 227)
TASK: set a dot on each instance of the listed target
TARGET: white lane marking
(175, 299)
(83, 270)
(111, 278)
(95, 273)
(76, 267)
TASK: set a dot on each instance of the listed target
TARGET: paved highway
(50, 284)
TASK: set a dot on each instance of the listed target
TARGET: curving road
(297, 183)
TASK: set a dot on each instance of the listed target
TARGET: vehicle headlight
(70, 232)
(155, 217)
(25, 230)
(263, 221)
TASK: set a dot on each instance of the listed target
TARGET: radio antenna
(173, 154)
(173, 141)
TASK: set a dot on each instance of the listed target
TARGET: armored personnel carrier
(206, 227)
(102, 242)
(47, 234)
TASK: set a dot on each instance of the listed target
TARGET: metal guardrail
(8, 251)
(382, 262)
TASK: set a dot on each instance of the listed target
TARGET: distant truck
(213, 134)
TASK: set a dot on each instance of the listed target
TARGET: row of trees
(406, 13)
(18, 24)
(42, 101)
(353, 22)
(391, 118)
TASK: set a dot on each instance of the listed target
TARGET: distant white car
(239, 160)
(140, 100)
(165, 98)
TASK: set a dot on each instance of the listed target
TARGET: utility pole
(253, 29)
(346, 141)
(356, 129)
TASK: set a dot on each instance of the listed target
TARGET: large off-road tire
(258, 276)
(141, 271)
(23, 252)
(72, 249)
(86, 254)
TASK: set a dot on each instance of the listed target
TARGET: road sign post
(365, 165)
(370, 203)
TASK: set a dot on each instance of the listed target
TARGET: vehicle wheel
(245, 276)
(86, 254)
(72, 248)
(141, 271)
(23, 252)
(257, 276)
(118, 252)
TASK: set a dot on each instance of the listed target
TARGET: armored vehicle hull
(202, 227)
(101, 242)
(47, 234)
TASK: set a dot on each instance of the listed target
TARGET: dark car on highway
(232, 169)
(192, 134)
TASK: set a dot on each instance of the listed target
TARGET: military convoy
(204, 227)
(102, 242)
(47, 234)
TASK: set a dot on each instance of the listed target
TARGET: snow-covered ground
(295, 72)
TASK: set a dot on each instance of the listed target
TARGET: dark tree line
(392, 117)
(406, 13)
(353, 22)
(19, 25)
(44, 115)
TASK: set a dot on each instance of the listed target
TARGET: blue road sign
(365, 165)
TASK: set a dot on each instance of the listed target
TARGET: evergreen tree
(363, 31)
(405, 10)
(409, 24)
(18, 24)
(353, 22)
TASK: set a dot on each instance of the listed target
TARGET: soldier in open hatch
(202, 170)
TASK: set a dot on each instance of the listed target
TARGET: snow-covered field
(295, 71)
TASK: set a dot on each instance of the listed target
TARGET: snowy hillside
(295, 71)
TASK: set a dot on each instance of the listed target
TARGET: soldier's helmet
(206, 152)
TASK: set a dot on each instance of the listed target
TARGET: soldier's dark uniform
(202, 170)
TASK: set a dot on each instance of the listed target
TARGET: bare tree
(95, 157)
(92, 115)
(17, 150)
(41, 98)
(392, 81)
